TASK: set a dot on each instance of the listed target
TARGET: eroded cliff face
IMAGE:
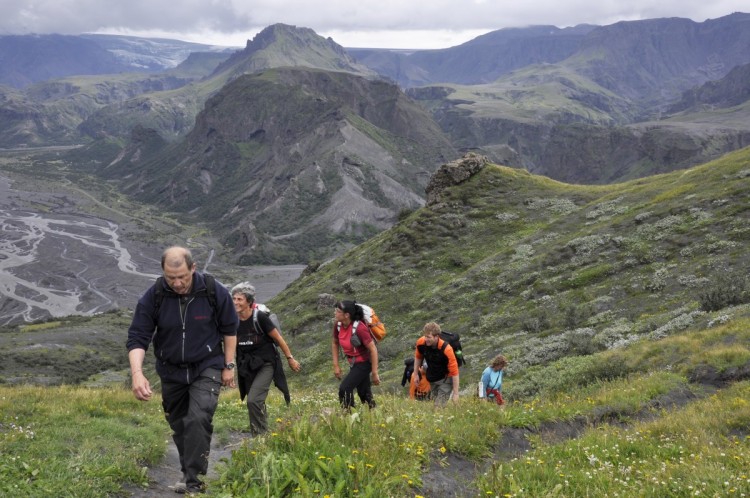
(589, 153)
(293, 164)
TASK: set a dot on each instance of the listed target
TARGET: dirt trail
(453, 476)
(167, 473)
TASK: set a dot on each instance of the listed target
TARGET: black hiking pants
(358, 378)
(189, 409)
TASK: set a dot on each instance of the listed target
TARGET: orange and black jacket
(441, 360)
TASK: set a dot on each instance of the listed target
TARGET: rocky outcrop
(454, 173)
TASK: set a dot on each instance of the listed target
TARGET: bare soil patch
(163, 476)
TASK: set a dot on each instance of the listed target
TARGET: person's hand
(375, 379)
(294, 364)
(454, 396)
(337, 372)
(141, 387)
(227, 377)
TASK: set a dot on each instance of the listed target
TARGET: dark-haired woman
(360, 350)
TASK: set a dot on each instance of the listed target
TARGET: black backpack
(455, 341)
(408, 370)
(210, 289)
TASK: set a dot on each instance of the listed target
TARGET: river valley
(64, 252)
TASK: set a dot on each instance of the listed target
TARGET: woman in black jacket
(258, 360)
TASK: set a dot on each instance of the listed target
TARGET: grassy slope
(594, 294)
(546, 92)
(539, 269)
(630, 436)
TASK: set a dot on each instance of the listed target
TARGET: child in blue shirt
(492, 379)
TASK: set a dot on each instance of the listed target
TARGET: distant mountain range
(301, 148)
(29, 59)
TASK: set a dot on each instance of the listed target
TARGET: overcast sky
(351, 23)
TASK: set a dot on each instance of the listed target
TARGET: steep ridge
(654, 61)
(481, 60)
(293, 164)
(731, 90)
(600, 115)
(282, 45)
(88, 104)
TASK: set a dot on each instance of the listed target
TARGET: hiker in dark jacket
(194, 341)
(443, 367)
(258, 360)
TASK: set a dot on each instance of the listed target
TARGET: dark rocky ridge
(294, 155)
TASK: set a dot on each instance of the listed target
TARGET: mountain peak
(281, 45)
(278, 32)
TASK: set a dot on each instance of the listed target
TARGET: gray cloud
(344, 17)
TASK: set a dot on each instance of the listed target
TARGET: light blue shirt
(492, 379)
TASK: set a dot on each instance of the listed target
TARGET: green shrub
(726, 290)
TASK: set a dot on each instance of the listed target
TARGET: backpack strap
(256, 323)
(497, 381)
(262, 335)
(210, 293)
(158, 296)
(356, 342)
(445, 345)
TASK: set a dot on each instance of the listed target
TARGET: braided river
(56, 261)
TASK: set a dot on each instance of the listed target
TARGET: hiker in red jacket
(360, 352)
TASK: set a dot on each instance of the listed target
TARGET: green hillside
(623, 310)
(541, 270)
(535, 95)
(537, 269)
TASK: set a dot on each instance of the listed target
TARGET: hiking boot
(179, 488)
(196, 489)
(183, 489)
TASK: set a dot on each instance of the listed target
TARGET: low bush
(725, 290)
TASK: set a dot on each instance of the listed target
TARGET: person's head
(178, 268)
(345, 311)
(498, 362)
(243, 296)
(431, 333)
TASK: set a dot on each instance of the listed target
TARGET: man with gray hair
(191, 321)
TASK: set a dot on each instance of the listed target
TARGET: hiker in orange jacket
(442, 373)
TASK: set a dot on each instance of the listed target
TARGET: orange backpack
(374, 325)
(377, 328)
